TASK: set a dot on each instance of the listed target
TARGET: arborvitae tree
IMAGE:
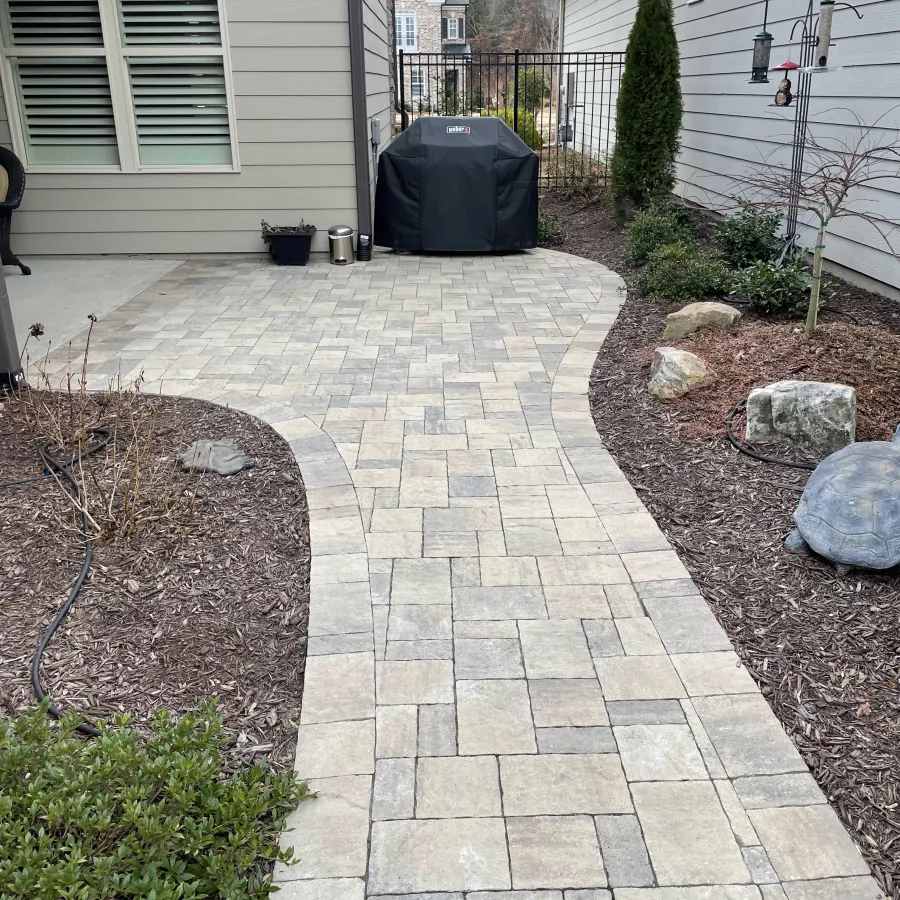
(649, 110)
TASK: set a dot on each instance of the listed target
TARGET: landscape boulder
(674, 372)
(817, 416)
(695, 316)
(222, 457)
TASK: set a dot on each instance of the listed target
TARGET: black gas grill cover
(460, 185)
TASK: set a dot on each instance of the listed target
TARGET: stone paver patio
(513, 688)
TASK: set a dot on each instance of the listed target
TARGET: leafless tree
(835, 173)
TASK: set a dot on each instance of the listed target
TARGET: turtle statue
(850, 509)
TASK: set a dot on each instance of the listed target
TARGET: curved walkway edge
(513, 686)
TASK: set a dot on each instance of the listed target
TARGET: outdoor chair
(14, 176)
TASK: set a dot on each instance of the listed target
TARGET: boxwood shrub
(124, 816)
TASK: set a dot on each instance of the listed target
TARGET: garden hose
(749, 451)
(63, 469)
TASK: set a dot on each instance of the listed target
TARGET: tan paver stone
(335, 748)
(563, 784)
(407, 682)
(807, 842)
(567, 702)
(555, 648)
(638, 678)
(554, 851)
(687, 834)
(416, 856)
(329, 834)
(396, 731)
(713, 673)
(338, 688)
(457, 787)
(659, 753)
(494, 717)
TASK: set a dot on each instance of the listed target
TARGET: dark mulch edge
(213, 604)
(824, 649)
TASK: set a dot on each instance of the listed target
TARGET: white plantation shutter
(67, 111)
(181, 110)
(176, 22)
(170, 105)
(55, 23)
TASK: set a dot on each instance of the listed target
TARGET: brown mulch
(209, 601)
(756, 354)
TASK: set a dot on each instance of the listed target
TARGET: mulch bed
(209, 601)
(825, 649)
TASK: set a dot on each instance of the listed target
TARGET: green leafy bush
(120, 817)
(681, 273)
(534, 88)
(772, 288)
(750, 236)
(550, 232)
(651, 229)
(527, 129)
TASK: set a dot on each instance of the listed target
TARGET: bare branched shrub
(107, 442)
(836, 173)
(575, 174)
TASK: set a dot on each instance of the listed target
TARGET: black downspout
(360, 116)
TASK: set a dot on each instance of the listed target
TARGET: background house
(174, 127)
(432, 26)
(731, 125)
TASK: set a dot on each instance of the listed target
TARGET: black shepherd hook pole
(811, 56)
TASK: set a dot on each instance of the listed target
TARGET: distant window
(417, 83)
(453, 29)
(406, 31)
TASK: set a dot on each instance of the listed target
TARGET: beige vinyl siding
(729, 124)
(291, 69)
(378, 26)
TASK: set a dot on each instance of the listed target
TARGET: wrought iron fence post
(516, 93)
(403, 118)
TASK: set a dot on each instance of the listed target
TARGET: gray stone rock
(222, 457)
(818, 416)
(674, 372)
(695, 316)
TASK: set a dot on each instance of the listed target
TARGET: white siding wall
(729, 124)
(291, 65)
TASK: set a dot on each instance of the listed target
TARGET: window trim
(411, 14)
(455, 23)
(116, 55)
(412, 83)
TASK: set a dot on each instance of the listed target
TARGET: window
(417, 83)
(406, 31)
(125, 84)
(453, 29)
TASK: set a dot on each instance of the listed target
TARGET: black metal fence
(563, 105)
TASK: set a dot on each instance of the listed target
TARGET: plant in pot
(289, 244)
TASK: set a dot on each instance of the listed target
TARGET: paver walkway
(512, 683)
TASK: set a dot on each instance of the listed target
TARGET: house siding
(290, 61)
(730, 125)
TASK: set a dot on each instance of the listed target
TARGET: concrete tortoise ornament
(850, 509)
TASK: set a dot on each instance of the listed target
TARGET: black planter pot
(290, 249)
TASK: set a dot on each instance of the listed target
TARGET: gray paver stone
(624, 851)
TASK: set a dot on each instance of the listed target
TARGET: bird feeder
(783, 95)
(762, 51)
